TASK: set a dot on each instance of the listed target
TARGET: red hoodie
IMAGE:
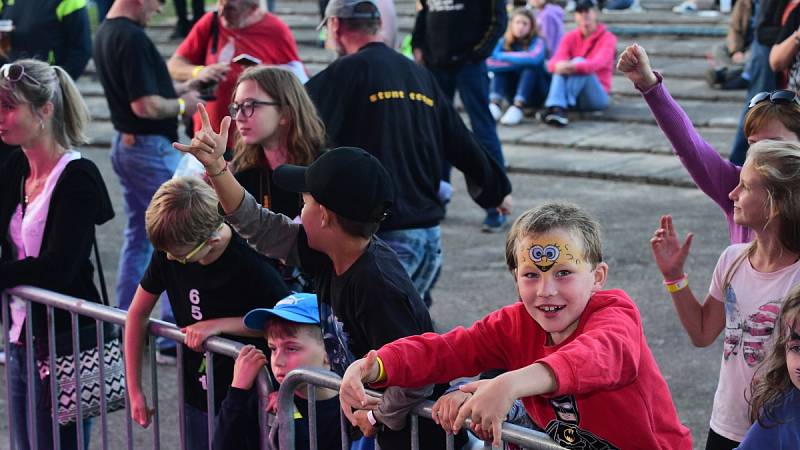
(598, 50)
(610, 390)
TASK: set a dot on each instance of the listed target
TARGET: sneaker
(167, 356)
(687, 7)
(494, 108)
(513, 116)
(494, 222)
(556, 117)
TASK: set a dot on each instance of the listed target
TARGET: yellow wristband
(196, 71)
(181, 107)
(381, 372)
(677, 285)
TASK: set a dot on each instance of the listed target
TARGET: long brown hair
(525, 41)
(305, 132)
(766, 392)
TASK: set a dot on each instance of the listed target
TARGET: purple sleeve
(552, 29)
(711, 173)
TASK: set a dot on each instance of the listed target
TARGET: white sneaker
(513, 116)
(494, 108)
(687, 7)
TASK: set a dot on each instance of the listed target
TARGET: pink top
(598, 52)
(26, 233)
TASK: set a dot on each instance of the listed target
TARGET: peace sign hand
(208, 146)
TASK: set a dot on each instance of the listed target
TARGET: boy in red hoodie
(575, 354)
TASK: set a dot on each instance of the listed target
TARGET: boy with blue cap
(294, 337)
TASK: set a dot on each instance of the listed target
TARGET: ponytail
(69, 124)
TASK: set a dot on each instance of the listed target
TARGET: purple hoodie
(551, 26)
(711, 173)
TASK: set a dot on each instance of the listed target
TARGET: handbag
(67, 408)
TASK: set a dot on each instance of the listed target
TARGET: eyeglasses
(185, 259)
(779, 96)
(15, 72)
(247, 107)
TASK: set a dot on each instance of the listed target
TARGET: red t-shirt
(268, 40)
(610, 395)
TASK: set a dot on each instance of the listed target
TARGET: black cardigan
(79, 202)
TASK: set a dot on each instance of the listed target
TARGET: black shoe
(715, 77)
(181, 30)
(556, 117)
(735, 83)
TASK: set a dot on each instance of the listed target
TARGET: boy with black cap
(366, 299)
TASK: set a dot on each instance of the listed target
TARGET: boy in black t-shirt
(212, 277)
(366, 298)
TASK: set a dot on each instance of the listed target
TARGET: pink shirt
(26, 233)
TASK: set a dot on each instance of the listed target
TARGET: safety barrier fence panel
(313, 378)
(214, 347)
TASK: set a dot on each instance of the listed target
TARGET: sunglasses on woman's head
(779, 96)
(15, 72)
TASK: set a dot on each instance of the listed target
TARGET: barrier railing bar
(76, 356)
(343, 423)
(98, 311)
(128, 419)
(5, 302)
(312, 416)
(33, 436)
(210, 396)
(151, 352)
(101, 357)
(515, 434)
(449, 441)
(51, 361)
(414, 432)
(181, 396)
(263, 387)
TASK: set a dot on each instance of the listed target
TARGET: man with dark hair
(376, 99)
(453, 38)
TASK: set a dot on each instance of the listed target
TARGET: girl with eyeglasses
(51, 200)
(277, 124)
(773, 116)
(749, 282)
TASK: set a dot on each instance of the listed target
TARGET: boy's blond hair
(551, 216)
(183, 212)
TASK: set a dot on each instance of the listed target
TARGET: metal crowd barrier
(101, 314)
(514, 434)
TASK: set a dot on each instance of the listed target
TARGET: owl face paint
(554, 280)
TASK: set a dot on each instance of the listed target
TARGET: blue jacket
(781, 436)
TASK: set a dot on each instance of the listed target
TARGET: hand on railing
(197, 333)
(351, 393)
(487, 408)
(248, 365)
(140, 413)
(363, 423)
(445, 410)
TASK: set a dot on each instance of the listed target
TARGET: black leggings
(717, 442)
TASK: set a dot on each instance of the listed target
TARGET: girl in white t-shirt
(749, 280)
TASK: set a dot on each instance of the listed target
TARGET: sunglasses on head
(15, 72)
(779, 96)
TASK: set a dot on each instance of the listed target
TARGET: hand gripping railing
(78, 307)
(514, 434)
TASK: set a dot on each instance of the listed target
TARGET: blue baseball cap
(298, 308)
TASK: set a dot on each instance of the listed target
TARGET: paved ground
(616, 164)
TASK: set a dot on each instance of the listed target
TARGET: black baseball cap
(350, 9)
(585, 5)
(347, 180)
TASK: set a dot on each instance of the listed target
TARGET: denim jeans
(18, 381)
(142, 167)
(581, 92)
(472, 82)
(195, 425)
(420, 253)
(762, 78)
(527, 86)
(618, 4)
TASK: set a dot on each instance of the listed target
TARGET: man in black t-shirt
(214, 282)
(366, 298)
(145, 107)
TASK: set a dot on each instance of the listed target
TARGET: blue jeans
(17, 371)
(581, 92)
(420, 253)
(142, 167)
(618, 4)
(472, 82)
(195, 425)
(762, 78)
(526, 86)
